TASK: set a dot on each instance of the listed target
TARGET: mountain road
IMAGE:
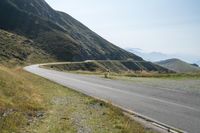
(178, 108)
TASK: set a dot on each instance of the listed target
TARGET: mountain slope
(178, 66)
(57, 33)
(15, 49)
(198, 62)
(115, 66)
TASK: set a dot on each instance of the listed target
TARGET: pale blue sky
(168, 26)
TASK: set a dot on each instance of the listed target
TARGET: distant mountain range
(158, 56)
(178, 66)
(152, 56)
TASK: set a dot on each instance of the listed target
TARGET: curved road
(177, 108)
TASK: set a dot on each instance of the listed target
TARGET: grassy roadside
(131, 75)
(175, 81)
(31, 104)
(115, 66)
(172, 76)
(119, 74)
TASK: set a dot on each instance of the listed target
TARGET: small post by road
(107, 74)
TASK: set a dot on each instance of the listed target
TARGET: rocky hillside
(15, 49)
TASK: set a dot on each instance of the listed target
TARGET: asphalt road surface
(177, 108)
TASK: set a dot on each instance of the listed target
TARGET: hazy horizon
(167, 26)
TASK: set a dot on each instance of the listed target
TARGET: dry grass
(29, 103)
